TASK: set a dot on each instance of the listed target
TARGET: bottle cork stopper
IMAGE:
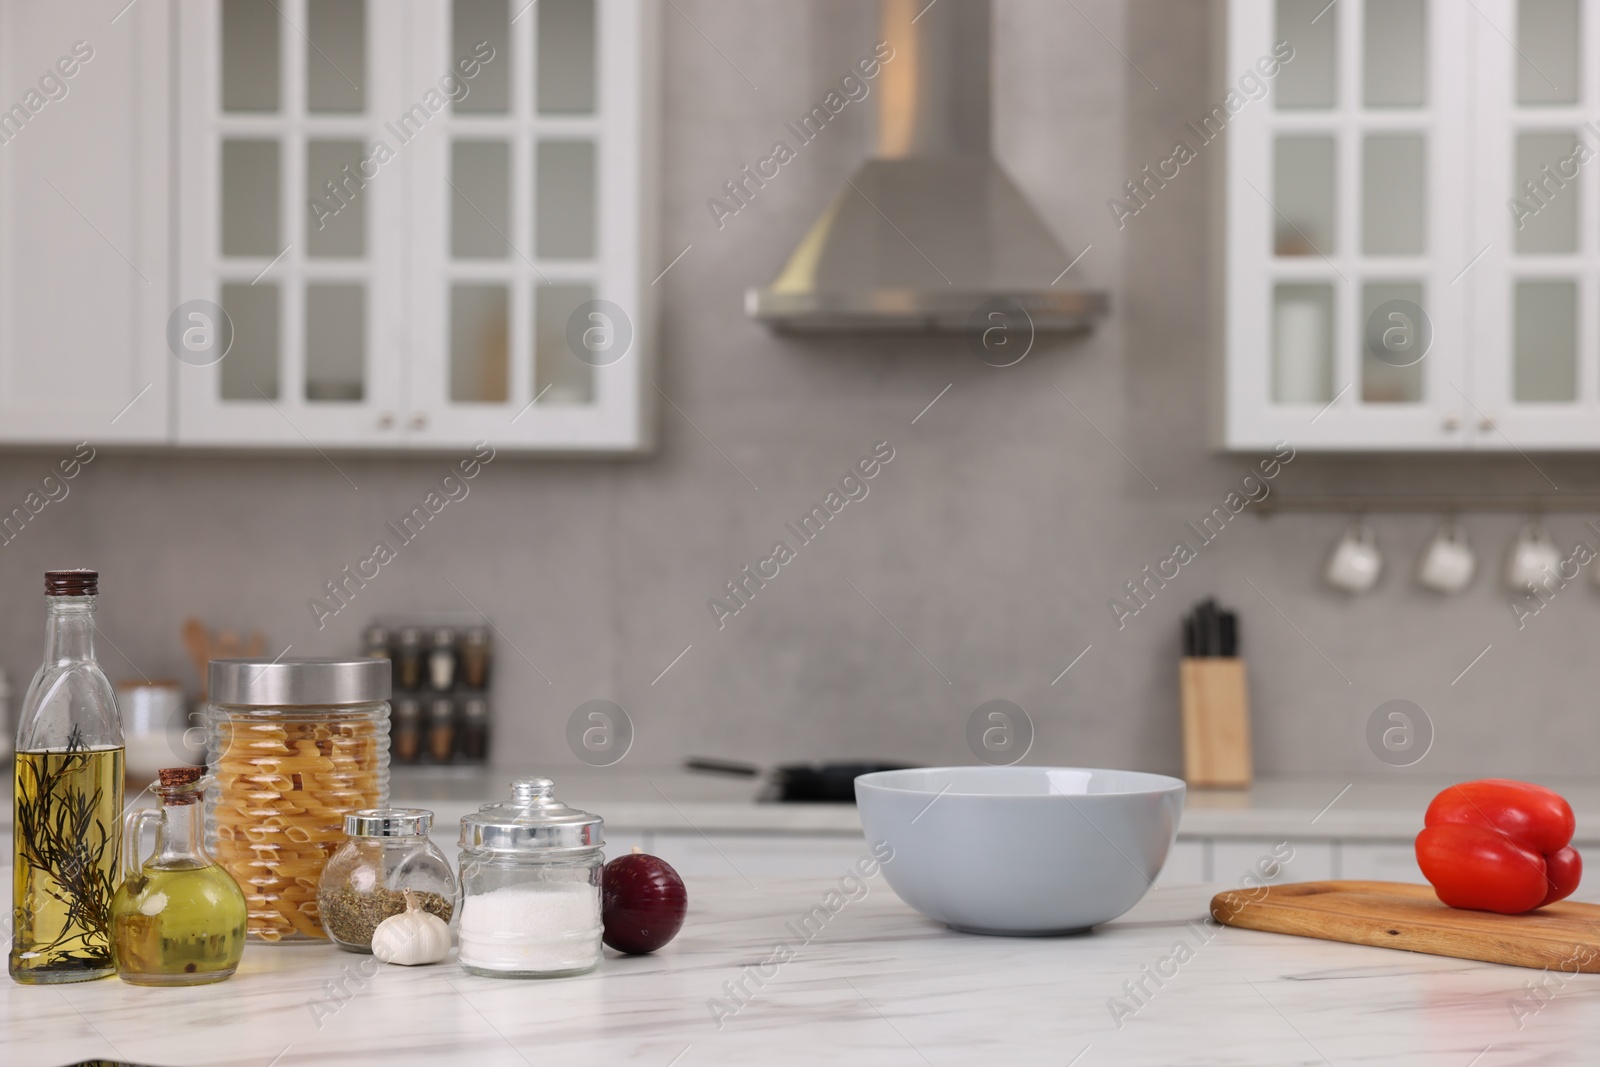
(176, 776)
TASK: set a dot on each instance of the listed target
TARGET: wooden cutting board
(1564, 936)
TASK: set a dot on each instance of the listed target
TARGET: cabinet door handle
(419, 421)
(1486, 424)
(386, 420)
(1452, 422)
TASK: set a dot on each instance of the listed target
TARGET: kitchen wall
(981, 562)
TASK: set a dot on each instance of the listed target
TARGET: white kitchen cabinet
(417, 217)
(1371, 202)
(1232, 860)
(83, 223)
(1379, 861)
(760, 856)
(1186, 864)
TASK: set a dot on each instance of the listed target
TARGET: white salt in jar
(530, 886)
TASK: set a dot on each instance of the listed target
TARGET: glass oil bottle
(67, 799)
(178, 917)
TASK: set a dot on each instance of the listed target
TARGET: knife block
(1216, 723)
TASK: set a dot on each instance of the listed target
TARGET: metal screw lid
(533, 820)
(299, 682)
(388, 822)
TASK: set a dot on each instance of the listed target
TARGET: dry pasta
(283, 790)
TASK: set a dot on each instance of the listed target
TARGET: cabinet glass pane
(1310, 79)
(335, 192)
(1548, 46)
(250, 198)
(1303, 195)
(1391, 356)
(250, 369)
(480, 200)
(250, 50)
(1546, 360)
(560, 377)
(1394, 62)
(1545, 203)
(565, 188)
(336, 61)
(566, 57)
(1302, 344)
(481, 29)
(1393, 179)
(336, 342)
(480, 331)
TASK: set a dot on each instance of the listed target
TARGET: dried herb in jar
(351, 915)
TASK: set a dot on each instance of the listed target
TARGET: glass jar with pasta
(294, 745)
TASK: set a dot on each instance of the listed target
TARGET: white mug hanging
(1531, 556)
(1448, 563)
(1355, 562)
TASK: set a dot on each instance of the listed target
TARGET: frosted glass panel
(1395, 60)
(480, 200)
(481, 29)
(1396, 378)
(1393, 209)
(250, 198)
(1546, 211)
(1303, 195)
(1309, 80)
(336, 61)
(566, 57)
(336, 345)
(250, 55)
(1546, 367)
(250, 369)
(565, 189)
(1302, 344)
(336, 215)
(1547, 46)
(480, 330)
(569, 379)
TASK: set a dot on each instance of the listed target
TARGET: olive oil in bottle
(178, 918)
(67, 808)
(67, 797)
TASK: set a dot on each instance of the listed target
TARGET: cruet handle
(132, 829)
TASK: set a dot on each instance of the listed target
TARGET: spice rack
(440, 707)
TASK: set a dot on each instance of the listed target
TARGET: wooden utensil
(1563, 936)
(197, 641)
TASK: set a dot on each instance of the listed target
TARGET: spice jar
(475, 657)
(294, 746)
(406, 735)
(387, 853)
(530, 886)
(442, 730)
(442, 660)
(475, 729)
(408, 660)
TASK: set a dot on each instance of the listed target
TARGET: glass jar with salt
(530, 886)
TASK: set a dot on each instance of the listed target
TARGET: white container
(1020, 850)
(530, 886)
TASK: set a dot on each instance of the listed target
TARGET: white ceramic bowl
(1021, 850)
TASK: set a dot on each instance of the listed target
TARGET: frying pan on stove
(829, 782)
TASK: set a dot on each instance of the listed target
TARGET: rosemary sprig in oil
(61, 836)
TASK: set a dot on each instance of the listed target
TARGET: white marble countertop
(878, 985)
(637, 797)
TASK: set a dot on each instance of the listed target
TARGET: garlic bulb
(412, 937)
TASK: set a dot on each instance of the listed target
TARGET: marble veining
(875, 983)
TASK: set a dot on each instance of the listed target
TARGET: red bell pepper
(1499, 845)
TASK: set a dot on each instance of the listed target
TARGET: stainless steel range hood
(931, 229)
